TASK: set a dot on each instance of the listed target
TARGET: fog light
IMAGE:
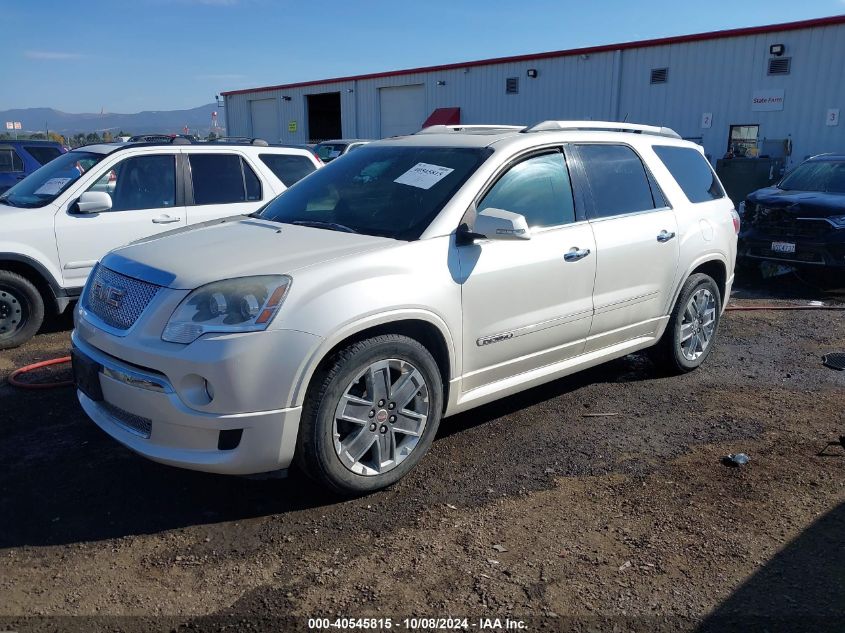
(229, 439)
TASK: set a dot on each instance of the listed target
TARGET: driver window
(538, 188)
(140, 182)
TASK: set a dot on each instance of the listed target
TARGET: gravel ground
(530, 509)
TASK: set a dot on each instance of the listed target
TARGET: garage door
(265, 120)
(402, 109)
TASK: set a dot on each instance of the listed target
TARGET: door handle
(20, 177)
(576, 253)
(665, 236)
(165, 219)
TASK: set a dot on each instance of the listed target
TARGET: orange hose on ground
(13, 377)
(750, 308)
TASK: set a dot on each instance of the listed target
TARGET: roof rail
(247, 140)
(603, 126)
(446, 129)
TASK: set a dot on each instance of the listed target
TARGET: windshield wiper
(333, 226)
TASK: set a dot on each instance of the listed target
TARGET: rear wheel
(691, 331)
(370, 415)
(21, 310)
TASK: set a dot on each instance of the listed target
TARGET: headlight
(247, 304)
(838, 221)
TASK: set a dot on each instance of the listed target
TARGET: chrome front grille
(117, 300)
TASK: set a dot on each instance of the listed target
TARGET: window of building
(290, 169)
(742, 140)
(223, 179)
(618, 180)
(691, 171)
(538, 188)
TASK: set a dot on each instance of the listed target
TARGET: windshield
(817, 175)
(386, 191)
(43, 186)
(329, 151)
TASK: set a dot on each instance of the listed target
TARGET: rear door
(146, 199)
(527, 303)
(636, 243)
(222, 184)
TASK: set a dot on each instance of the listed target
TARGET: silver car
(416, 278)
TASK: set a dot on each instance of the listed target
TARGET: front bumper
(828, 253)
(144, 409)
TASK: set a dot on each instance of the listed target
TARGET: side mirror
(498, 224)
(94, 202)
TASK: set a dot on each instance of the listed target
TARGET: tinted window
(618, 181)
(10, 161)
(140, 182)
(817, 175)
(691, 171)
(43, 153)
(329, 151)
(289, 169)
(390, 191)
(537, 188)
(223, 179)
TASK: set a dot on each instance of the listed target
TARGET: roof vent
(779, 65)
(659, 75)
(512, 85)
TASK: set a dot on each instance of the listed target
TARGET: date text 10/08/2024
(411, 624)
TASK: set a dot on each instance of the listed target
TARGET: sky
(132, 55)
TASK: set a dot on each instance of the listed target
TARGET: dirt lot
(527, 509)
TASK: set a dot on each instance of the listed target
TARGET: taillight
(737, 221)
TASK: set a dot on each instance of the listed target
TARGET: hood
(234, 247)
(805, 204)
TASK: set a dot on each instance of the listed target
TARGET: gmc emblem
(111, 295)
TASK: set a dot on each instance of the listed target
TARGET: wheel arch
(32, 270)
(713, 265)
(426, 328)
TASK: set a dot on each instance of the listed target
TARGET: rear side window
(288, 168)
(10, 161)
(691, 171)
(617, 179)
(43, 154)
(223, 179)
(537, 188)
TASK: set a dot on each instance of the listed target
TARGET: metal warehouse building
(753, 91)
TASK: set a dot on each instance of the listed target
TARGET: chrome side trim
(534, 327)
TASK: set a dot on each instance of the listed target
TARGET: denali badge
(487, 340)
(111, 295)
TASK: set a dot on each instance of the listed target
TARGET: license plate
(86, 375)
(783, 247)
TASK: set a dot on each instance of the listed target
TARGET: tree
(107, 137)
(58, 138)
(93, 137)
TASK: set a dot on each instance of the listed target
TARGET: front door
(636, 241)
(144, 202)
(527, 303)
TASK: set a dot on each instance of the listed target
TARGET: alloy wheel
(698, 324)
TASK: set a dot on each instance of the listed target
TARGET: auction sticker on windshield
(51, 187)
(424, 175)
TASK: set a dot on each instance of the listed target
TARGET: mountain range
(198, 120)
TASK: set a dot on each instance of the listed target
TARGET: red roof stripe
(677, 39)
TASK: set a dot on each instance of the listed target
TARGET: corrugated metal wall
(711, 76)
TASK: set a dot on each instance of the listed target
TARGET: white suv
(61, 219)
(416, 278)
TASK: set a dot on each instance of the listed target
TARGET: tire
(669, 353)
(21, 310)
(327, 444)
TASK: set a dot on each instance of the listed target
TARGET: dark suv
(18, 159)
(800, 220)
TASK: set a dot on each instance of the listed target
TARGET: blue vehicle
(18, 159)
(801, 220)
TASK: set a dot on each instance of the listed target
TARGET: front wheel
(370, 414)
(21, 310)
(691, 331)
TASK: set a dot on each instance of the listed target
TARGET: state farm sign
(767, 100)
